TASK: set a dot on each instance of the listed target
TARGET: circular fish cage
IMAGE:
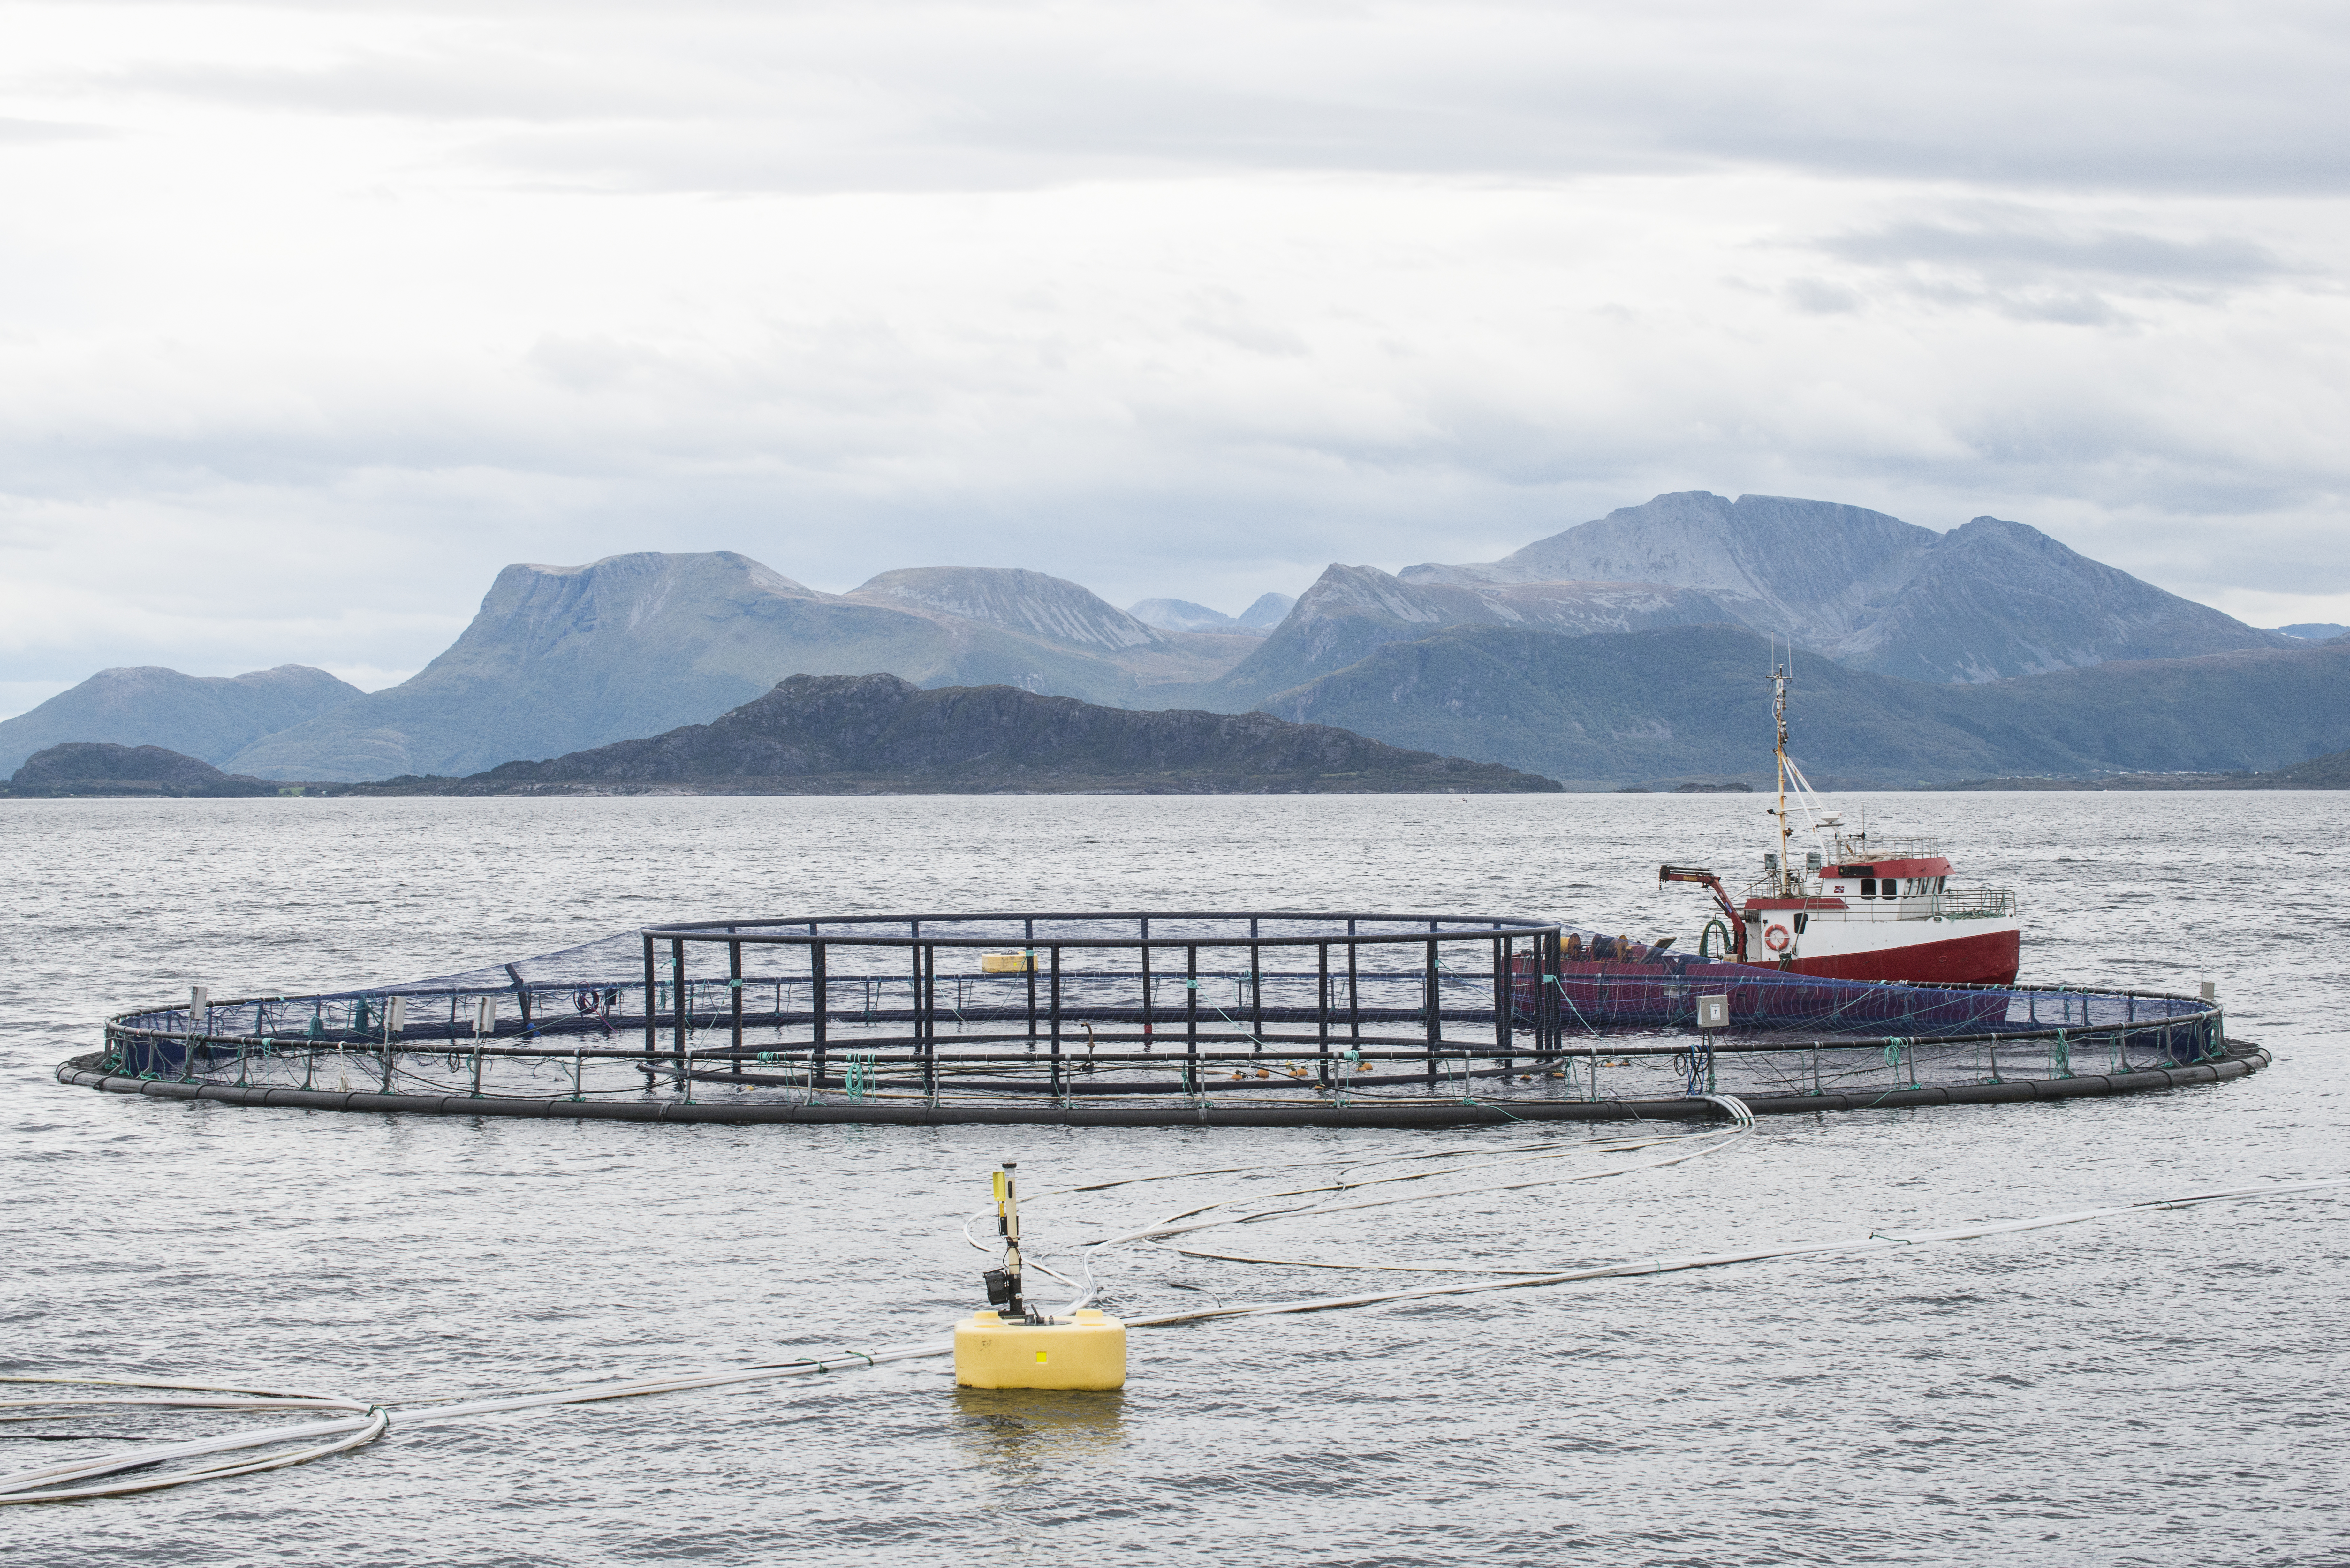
(1274, 1018)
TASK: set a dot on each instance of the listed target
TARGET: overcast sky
(313, 316)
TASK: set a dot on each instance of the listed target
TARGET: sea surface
(2164, 1388)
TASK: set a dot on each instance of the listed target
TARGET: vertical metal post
(819, 1002)
(1541, 958)
(734, 986)
(929, 1028)
(1502, 999)
(1028, 935)
(679, 1018)
(1256, 990)
(1554, 991)
(1432, 1008)
(394, 1012)
(1146, 975)
(1191, 1018)
(652, 1009)
(1354, 989)
(1055, 1001)
(1322, 1014)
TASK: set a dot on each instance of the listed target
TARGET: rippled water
(2159, 1389)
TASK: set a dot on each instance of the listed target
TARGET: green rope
(1235, 1024)
(1894, 1046)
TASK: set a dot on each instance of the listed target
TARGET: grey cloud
(2064, 307)
(2033, 246)
(900, 97)
(449, 85)
(1221, 314)
(30, 132)
(587, 364)
(2032, 264)
(1818, 296)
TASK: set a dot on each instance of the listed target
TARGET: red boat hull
(1985, 958)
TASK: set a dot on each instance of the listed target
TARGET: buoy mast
(1004, 1283)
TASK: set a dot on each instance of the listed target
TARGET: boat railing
(1862, 848)
(1974, 904)
(1957, 904)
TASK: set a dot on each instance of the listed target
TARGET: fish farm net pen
(1268, 1018)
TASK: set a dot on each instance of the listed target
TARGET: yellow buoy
(1083, 1351)
(1014, 1347)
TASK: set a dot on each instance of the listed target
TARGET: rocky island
(877, 734)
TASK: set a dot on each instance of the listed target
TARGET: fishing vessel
(1857, 907)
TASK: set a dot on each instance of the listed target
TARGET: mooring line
(368, 1422)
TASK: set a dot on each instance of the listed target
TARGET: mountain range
(564, 658)
(209, 716)
(1182, 615)
(1350, 612)
(846, 734)
(1983, 602)
(1694, 703)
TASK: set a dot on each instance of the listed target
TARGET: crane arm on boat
(1706, 878)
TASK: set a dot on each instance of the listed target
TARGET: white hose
(54, 1483)
(1742, 1122)
(1872, 1242)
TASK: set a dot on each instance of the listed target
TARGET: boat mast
(1779, 718)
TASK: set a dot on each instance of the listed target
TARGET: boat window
(1868, 888)
(1801, 921)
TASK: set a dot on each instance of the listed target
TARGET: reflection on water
(1017, 1434)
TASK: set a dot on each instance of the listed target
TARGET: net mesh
(1164, 1005)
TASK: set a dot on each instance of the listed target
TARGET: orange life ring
(1776, 939)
